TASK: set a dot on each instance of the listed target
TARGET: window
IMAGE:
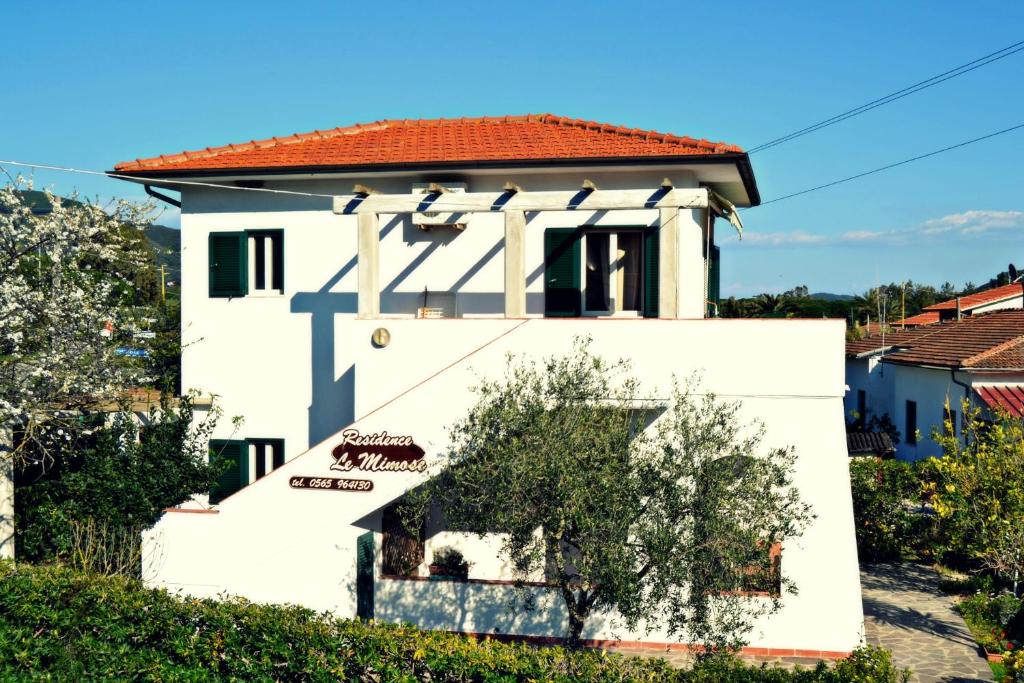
(246, 262)
(911, 423)
(243, 462)
(265, 455)
(600, 271)
(401, 550)
(266, 261)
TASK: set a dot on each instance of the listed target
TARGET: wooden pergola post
(368, 266)
(515, 264)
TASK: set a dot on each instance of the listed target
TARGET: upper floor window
(246, 262)
(600, 271)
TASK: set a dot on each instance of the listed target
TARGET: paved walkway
(905, 613)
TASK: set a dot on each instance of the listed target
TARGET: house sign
(380, 452)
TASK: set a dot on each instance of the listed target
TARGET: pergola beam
(562, 200)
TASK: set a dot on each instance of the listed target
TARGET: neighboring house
(995, 299)
(349, 312)
(919, 377)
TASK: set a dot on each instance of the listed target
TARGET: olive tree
(664, 511)
(67, 282)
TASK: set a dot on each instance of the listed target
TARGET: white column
(368, 266)
(690, 292)
(515, 264)
(668, 265)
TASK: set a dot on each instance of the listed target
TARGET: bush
(882, 490)
(997, 622)
(110, 477)
(65, 624)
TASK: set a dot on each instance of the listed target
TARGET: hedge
(57, 624)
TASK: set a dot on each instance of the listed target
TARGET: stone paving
(905, 613)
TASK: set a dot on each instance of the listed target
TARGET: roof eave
(740, 159)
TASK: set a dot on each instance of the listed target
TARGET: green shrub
(58, 623)
(997, 622)
(110, 476)
(882, 490)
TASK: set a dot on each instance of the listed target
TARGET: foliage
(65, 275)
(58, 623)
(881, 491)
(978, 491)
(661, 522)
(450, 561)
(995, 620)
(1013, 667)
(112, 475)
(165, 348)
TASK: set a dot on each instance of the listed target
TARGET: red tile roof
(926, 317)
(967, 343)
(1009, 398)
(891, 339)
(506, 138)
(1008, 355)
(980, 298)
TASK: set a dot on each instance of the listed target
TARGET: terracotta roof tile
(925, 317)
(968, 343)
(891, 339)
(488, 138)
(869, 443)
(980, 298)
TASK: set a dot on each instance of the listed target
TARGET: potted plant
(450, 563)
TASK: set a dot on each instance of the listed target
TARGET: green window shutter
(651, 258)
(365, 547)
(278, 260)
(236, 474)
(562, 291)
(714, 281)
(229, 264)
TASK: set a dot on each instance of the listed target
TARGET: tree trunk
(6, 494)
(576, 622)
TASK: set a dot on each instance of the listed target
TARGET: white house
(919, 377)
(347, 287)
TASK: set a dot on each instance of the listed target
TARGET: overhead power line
(894, 165)
(162, 181)
(892, 97)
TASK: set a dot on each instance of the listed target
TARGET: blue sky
(91, 84)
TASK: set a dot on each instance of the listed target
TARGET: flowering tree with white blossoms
(66, 278)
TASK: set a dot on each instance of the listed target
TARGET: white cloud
(954, 226)
(973, 222)
(776, 239)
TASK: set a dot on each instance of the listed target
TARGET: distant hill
(166, 242)
(828, 296)
(167, 245)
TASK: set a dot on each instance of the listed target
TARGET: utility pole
(903, 305)
(163, 284)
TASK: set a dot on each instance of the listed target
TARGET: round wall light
(380, 337)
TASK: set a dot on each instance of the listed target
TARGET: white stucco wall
(930, 388)
(296, 346)
(875, 379)
(274, 543)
